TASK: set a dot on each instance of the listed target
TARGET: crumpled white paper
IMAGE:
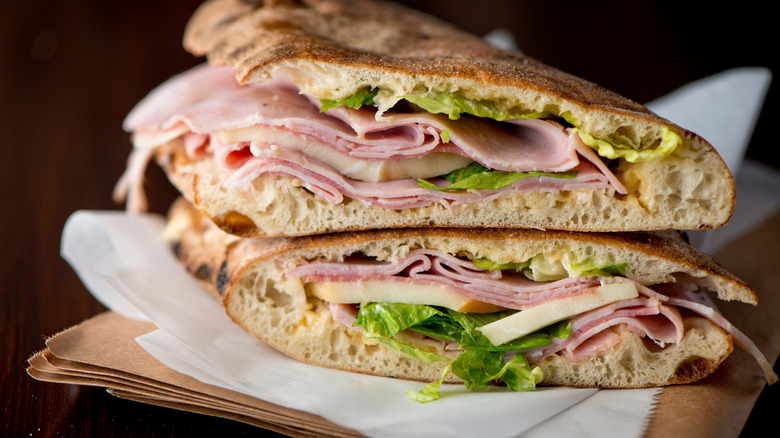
(198, 339)
(125, 265)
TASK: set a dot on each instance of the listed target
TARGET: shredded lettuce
(453, 105)
(445, 135)
(480, 362)
(539, 268)
(590, 267)
(364, 96)
(477, 176)
(486, 263)
(430, 391)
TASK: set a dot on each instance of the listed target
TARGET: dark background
(71, 70)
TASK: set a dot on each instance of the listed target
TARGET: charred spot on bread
(222, 278)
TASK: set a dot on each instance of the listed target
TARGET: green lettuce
(590, 267)
(477, 176)
(480, 362)
(486, 263)
(453, 105)
(545, 270)
(670, 140)
(364, 96)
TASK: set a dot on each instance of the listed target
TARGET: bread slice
(676, 194)
(248, 275)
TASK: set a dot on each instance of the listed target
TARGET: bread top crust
(332, 48)
(651, 258)
(370, 35)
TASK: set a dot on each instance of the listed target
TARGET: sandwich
(369, 189)
(516, 307)
(340, 115)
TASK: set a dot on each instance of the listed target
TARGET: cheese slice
(388, 291)
(537, 317)
(426, 166)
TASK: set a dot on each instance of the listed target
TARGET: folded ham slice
(205, 101)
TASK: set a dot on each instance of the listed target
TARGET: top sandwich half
(335, 115)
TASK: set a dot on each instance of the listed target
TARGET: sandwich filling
(412, 156)
(500, 319)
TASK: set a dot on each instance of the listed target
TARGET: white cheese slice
(537, 317)
(427, 166)
(387, 291)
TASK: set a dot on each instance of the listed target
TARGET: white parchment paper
(125, 265)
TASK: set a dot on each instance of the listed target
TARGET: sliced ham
(331, 186)
(652, 314)
(130, 184)
(592, 346)
(185, 90)
(422, 266)
(344, 314)
(432, 267)
(208, 100)
(536, 145)
(645, 316)
(740, 338)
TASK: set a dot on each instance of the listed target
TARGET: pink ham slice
(433, 267)
(532, 144)
(327, 184)
(207, 99)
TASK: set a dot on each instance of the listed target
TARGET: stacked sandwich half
(367, 188)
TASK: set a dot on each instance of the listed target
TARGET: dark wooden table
(71, 70)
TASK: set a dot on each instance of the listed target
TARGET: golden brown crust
(373, 35)
(375, 43)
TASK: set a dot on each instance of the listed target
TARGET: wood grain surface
(71, 70)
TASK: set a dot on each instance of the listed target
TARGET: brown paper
(102, 352)
(720, 405)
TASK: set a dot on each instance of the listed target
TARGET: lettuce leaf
(364, 96)
(430, 391)
(590, 267)
(476, 176)
(486, 263)
(386, 320)
(533, 270)
(453, 105)
(480, 362)
(518, 374)
(670, 140)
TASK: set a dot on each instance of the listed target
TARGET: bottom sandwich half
(519, 308)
